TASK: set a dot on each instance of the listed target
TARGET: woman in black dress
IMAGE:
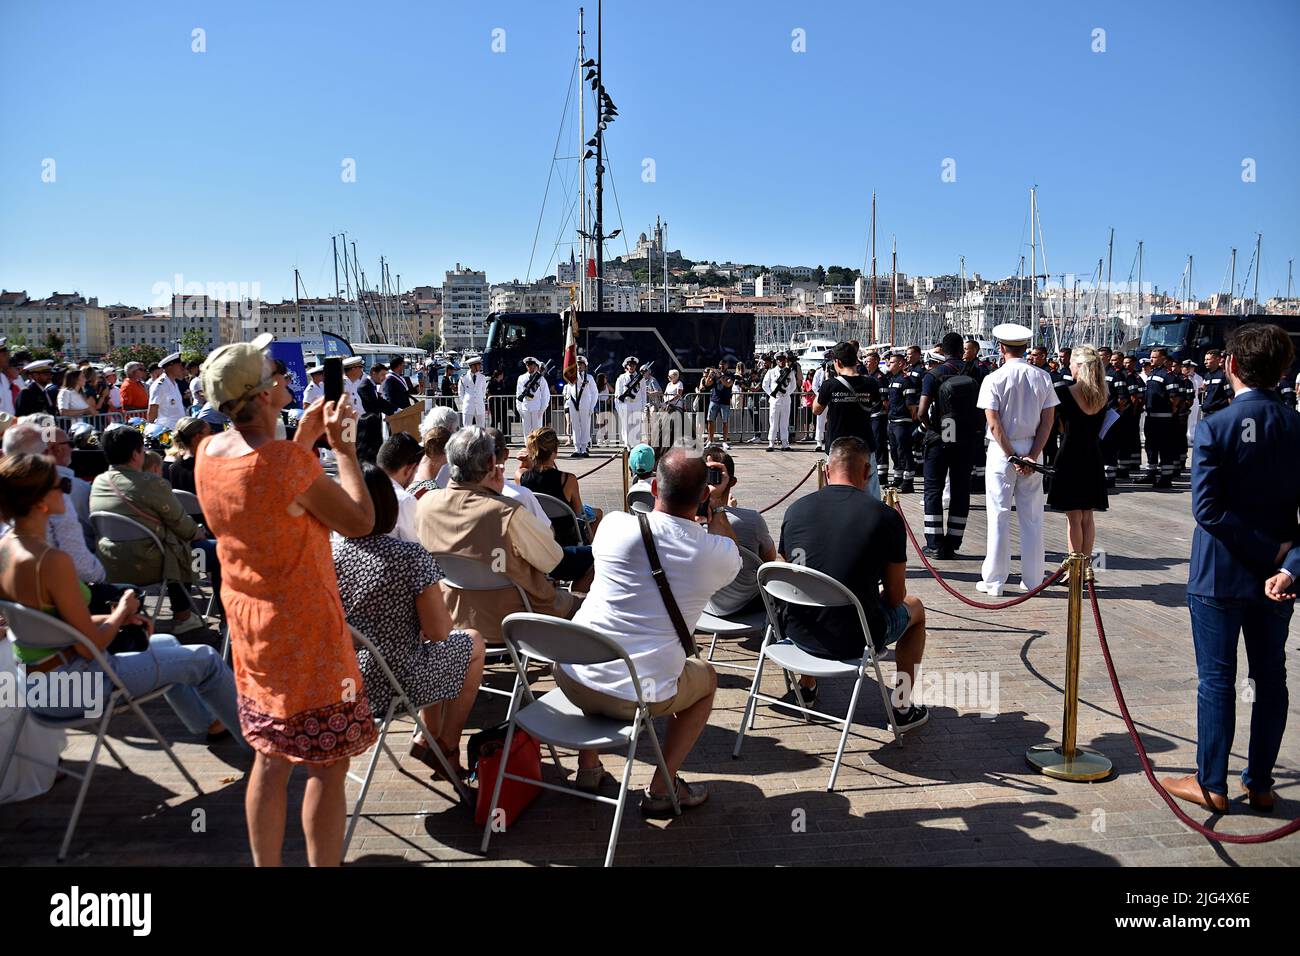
(1079, 485)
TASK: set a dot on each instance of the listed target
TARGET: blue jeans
(203, 686)
(1216, 625)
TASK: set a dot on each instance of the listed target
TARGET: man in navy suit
(1245, 565)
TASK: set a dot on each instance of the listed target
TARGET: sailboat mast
(334, 242)
(893, 288)
(663, 241)
(1033, 262)
(1139, 315)
(1110, 259)
(875, 324)
(1232, 281)
(297, 308)
(582, 166)
(1259, 236)
(1191, 303)
(600, 173)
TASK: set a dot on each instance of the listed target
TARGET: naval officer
(580, 405)
(1018, 400)
(532, 396)
(315, 386)
(472, 389)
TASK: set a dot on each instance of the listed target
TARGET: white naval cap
(1009, 333)
(352, 361)
(473, 359)
(315, 369)
(40, 365)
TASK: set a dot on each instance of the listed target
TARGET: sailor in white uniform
(778, 385)
(579, 405)
(354, 367)
(1018, 400)
(472, 391)
(532, 395)
(630, 401)
(818, 380)
(165, 403)
(315, 386)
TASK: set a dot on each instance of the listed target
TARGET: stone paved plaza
(956, 792)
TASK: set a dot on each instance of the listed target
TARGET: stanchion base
(1086, 765)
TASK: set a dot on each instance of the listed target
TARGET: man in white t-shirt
(166, 406)
(624, 603)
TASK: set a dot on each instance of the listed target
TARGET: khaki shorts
(694, 683)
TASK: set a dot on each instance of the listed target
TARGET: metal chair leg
(844, 735)
(85, 780)
(365, 783)
(622, 794)
(162, 742)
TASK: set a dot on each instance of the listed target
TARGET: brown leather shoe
(1189, 788)
(1260, 800)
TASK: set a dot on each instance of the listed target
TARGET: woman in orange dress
(271, 507)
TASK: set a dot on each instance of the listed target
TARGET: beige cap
(236, 372)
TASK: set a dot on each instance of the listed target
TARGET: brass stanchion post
(1069, 761)
(891, 497)
(625, 476)
(821, 473)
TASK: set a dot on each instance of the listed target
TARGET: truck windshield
(1166, 334)
(507, 334)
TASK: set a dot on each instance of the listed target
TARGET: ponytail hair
(1091, 378)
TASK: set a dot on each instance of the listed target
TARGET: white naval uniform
(313, 391)
(1018, 392)
(631, 414)
(818, 380)
(472, 391)
(778, 404)
(350, 390)
(166, 394)
(533, 411)
(583, 394)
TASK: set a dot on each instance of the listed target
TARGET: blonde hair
(1090, 377)
(543, 443)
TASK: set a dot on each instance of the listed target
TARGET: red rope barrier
(1169, 799)
(1047, 582)
(790, 492)
(600, 466)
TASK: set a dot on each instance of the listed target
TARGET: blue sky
(225, 166)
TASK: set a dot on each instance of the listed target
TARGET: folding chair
(121, 528)
(555, 509)
(470, 574)
(733, 625)
(794, 584)
(190, 502)
(640, 500)
(399, 705)
(33, 628)
(554, 720)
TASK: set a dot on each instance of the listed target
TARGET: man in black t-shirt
(859, 541)
(849, 399)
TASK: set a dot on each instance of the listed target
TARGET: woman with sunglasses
(36, 574)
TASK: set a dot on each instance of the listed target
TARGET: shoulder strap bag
(666, 592)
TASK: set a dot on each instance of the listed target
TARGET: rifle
(530, 387)
(1030, 463)
(780, 382)
(634, 384)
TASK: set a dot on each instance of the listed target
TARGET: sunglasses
(64, 484)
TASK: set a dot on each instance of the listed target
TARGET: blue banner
(334, 346)
(290, 353)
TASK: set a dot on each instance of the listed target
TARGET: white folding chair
(554, 720)
(190, 502)
(33, 628)
(116, 527)
(399, 705)
(640, 500)
(470, 574)
(555, 509)
(733, 625)
(794, 584)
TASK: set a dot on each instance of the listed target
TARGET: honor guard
(1019, 401)
(948, 414)
(631, 393)
(532, 395)
(315, 386)
(902, 420)
(1160, 399)
(1216, 390)
(580, 404)
(778, 384)
(880, 416)
(471, 393)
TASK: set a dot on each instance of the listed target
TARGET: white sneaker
(785, 448)
(992, 590)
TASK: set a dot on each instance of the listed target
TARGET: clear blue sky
(225, 166)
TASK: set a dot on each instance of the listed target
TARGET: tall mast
(1191, 306)
(875, 325)
(334, 242)
(893, 288)
(1258, 238)
(1139, 315)
(1232, 280)
(1110, 257)
(582, 166)
(600, 173)
(961, 293)
(1033, 263)
(347, 278)
(663, 241)
(297, 309)
(1288, 280)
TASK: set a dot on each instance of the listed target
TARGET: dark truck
(687, 341)
(1190, 335)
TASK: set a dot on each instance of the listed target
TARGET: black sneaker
(930, 552)
(913, 717)
(808, 695)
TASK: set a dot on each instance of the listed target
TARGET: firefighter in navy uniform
(1216, 390)
(902, 412)
(948, 414)
(1182, 409)
(880, 416)
(1286, 390)
(979, 441)
(1161, 402)
(1130, 448)
(1117, 401)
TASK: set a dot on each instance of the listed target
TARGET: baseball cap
(641, 460)
(236, 372)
